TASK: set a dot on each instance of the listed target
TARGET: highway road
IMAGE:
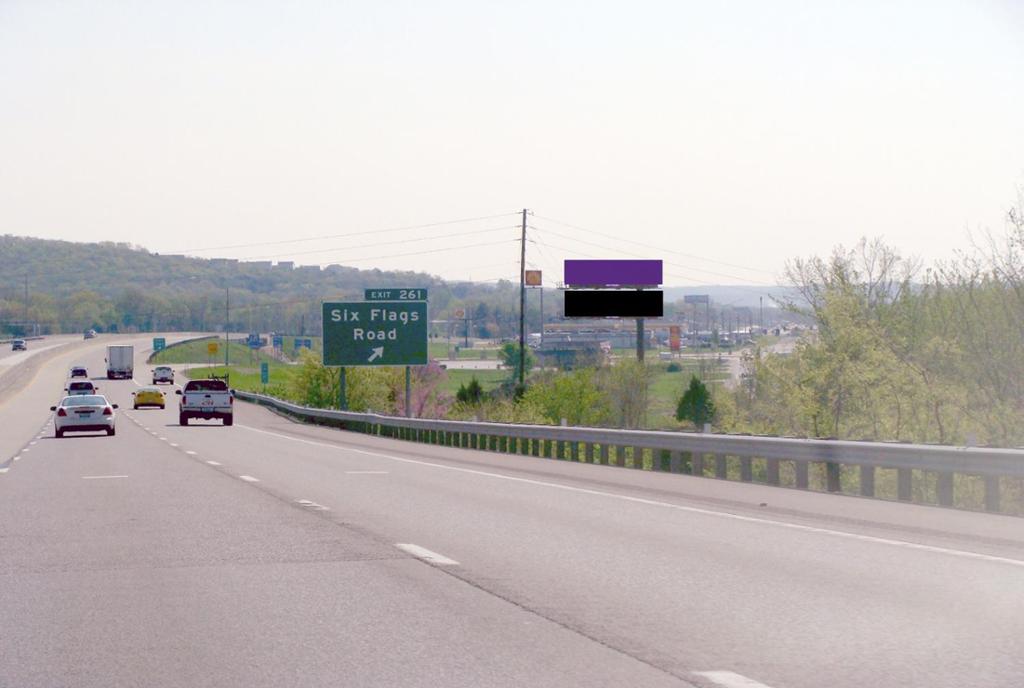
(273, 553)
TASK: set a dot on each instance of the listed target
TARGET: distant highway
(272, 553)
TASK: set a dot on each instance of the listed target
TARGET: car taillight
(61, 412)
(107, 411)
(231, 401)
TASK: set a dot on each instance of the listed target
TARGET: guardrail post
(772, 471)
(604, 454)
(904, 483)
(867, 481)
(832, 477)
(803, 479)
(746, 469)
(944, 488)
(721, 467)
(620, 456)
(991, 493)
(697, 464)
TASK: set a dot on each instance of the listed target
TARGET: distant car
(80, 387)
(84, 413)
(89, 334)
(163, 374)
(148, 396)
(19, 345)
(78, 371)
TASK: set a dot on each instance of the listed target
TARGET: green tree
(696, 404)
(509, 354)
(574, 396)
(470, 393)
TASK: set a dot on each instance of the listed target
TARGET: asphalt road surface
(273, 553)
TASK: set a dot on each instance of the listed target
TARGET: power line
(636, 255)
(347, 234)
(656, 248)
(386, 243)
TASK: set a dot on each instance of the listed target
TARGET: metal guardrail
(706, 454)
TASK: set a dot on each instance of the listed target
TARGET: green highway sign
(375, 333)
(159, 343)
(395, 294)
(264, 372)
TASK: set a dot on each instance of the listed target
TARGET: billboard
(614, 303)
(533, 278)
(607, 273)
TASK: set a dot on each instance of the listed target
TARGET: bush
(471, 393)
(696, 404)
(673, 367)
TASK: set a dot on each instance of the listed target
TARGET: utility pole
(26, 303)
(761, 300)
(640, 339)
(227, 327)
(522, 305)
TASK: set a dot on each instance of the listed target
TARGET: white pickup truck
(206, 399)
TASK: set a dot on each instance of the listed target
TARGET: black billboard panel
(597, 303)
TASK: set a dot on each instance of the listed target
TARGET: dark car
(79, 371)
(19, 345)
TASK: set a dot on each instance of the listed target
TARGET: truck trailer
(120, 361)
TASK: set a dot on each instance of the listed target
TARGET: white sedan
(84, 413)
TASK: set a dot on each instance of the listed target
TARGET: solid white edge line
(730, 679)
(102, 477)
(426, 555)
(366, 472)
(249, 479)
(668, 505)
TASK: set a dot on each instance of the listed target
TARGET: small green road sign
(264, 373)
(375, 333)
(395, 294)
(159, 343)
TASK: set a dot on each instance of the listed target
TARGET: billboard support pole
(640, 339)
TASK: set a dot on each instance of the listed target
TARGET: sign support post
(342, 392)
(408, 391)
(640, 339)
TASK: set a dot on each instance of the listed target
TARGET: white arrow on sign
(377, 353)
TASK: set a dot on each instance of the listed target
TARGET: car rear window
(206, 386)
(80, 385)
(85, 400)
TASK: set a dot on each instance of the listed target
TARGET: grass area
(247, 378)
(439, 350)
(488, 379)
(196, 352)
(668, 387)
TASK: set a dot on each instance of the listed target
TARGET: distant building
(259, 264)
(285, 264)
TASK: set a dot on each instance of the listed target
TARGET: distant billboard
(533, 278)
(608, 273)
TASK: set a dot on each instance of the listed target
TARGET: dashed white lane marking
(101, 477)
(213, 463)
(190, 452)
(426, 555)
(730, 679)
(173, 444)
(249, 479)
(4, 470)
(366, 472)
(25, 450)
(311, 505)
(977, 556)
(18, 457)
(162, 439)
(33, 442)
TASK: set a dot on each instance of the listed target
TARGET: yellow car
(148, 396)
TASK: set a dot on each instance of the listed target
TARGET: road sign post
(408, 392)
(264, 374)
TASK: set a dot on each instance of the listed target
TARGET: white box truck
(120, 361)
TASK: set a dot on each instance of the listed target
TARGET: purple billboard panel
(607, 273)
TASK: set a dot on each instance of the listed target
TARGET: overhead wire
(348, 234)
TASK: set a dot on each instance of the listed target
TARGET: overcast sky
(736, 134)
